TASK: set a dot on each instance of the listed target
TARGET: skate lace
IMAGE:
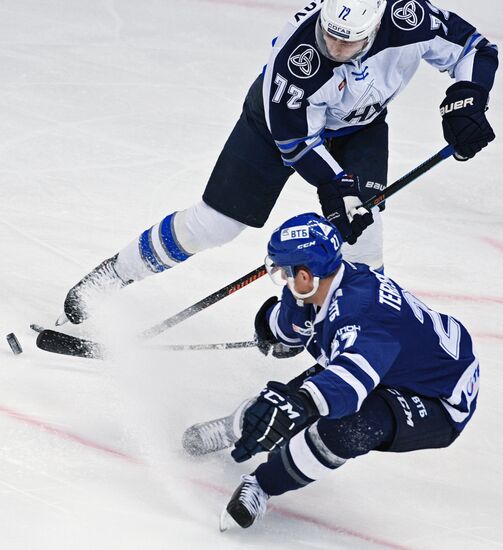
(103, 279)
(253, 497)
(106, 275)
(214, 435)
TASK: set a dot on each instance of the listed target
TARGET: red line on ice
(488, 335)
(64, 434)
(284, 512)
(494, 243)
(459, 297)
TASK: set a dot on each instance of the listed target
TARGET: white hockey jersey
(308, 97)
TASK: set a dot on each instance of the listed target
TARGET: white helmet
(351, 20)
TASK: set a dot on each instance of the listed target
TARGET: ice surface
(113, 113)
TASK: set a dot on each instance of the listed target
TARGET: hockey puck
(14, 344)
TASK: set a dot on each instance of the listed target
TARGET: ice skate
(215, 435)
(102, 280)
(248, 503)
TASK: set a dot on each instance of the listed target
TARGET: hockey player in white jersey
(319, 108)
(391, 374)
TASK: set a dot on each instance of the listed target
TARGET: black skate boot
(215, 435)
(248, 503)
(103, 279)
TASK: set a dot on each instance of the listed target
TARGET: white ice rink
(112, 115)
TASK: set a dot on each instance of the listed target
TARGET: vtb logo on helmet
(307, 240)
(350, 21)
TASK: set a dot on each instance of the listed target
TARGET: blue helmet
(306, 240)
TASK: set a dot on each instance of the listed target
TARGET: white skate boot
(102, 280)
(215, 435)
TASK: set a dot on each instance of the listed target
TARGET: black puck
(14, 344)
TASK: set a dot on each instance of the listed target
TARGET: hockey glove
(341, 205)
(265, 339)
(276, 416)
(464, 122)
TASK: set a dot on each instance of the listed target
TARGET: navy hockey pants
(249, 174)
(388, 421)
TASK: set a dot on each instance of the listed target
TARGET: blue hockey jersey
(308, 97)
(372, 332)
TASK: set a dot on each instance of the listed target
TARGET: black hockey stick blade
(64, 344)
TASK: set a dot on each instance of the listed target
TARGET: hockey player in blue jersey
(319, 108)
(392, 375)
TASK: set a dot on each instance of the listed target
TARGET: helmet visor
(343, 51)
(278, 274)
(339, 50)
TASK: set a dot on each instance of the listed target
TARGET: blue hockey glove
(265, 339)
(276, 416)
(341, 205)
(464, 122)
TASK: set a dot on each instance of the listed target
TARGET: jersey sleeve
(296, 113)
(361, 356)
(280, 320)
(459, 49)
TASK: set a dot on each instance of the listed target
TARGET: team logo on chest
(304, 62)
(370, 104)
(407, 14)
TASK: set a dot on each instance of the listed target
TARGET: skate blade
(226, 521)
(61, 320)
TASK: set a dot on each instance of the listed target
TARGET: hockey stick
(205, 302)
(443, 154)
(86, 347)
(201, 347)
(65, 344)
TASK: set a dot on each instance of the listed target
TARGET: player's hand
(265, 339)
(341, 205)
(276, 416)
(464, 122)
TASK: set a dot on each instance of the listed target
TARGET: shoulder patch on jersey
(304, 61)
(407, 15)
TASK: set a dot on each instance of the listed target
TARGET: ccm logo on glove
(277, 399)
(456, 105)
